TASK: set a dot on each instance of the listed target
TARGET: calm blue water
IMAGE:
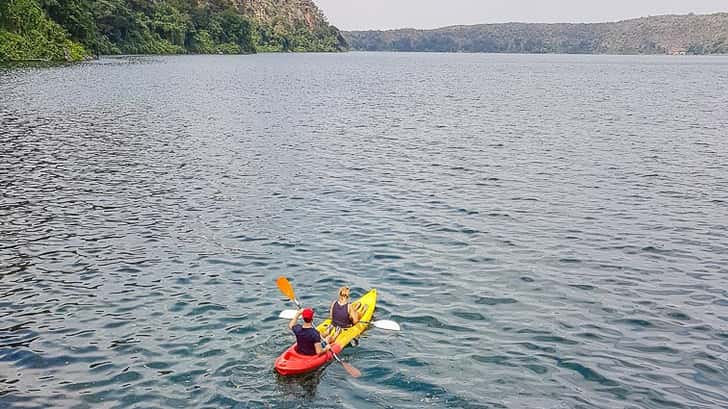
(550, 231)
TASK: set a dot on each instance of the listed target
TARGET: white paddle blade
(288, 314)
(386, 324)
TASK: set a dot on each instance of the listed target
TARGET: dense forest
(71, 30)
(688, 34)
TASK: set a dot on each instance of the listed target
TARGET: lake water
(550, 231)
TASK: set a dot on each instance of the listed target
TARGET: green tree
(170, 24)
(75, 16)
(236, 29)
(27, 33)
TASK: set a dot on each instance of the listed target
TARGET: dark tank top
(340, 315)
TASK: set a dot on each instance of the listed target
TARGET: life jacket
(340, 315)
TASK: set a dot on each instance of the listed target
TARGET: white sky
(387, 14)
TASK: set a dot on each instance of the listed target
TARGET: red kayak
(293, 363)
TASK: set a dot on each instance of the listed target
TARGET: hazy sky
(384, 14)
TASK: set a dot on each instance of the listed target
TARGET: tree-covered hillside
(692, 34)
(75, 29)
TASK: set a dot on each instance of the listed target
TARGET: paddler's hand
(294, 320)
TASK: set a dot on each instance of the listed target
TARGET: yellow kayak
(368, 301)
(293, 363)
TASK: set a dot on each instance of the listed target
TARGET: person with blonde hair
(343, 313)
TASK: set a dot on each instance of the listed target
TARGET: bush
(11, 47)
(28, 34)
(202, 43)
(228, 48)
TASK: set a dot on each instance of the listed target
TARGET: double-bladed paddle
(287, 289)
(381, 324)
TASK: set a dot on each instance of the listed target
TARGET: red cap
(307, 314)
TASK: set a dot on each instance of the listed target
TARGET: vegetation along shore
(671, 34)
(72, 30)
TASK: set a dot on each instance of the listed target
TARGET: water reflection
(302, 386)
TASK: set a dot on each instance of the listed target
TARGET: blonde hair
(344, 292)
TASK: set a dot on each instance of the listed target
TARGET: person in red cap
(308, 339)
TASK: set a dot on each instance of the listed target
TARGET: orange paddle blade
(286, 288)
(352, 371)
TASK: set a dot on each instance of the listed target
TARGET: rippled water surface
(550, 231)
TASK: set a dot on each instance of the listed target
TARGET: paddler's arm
(294, 320)
(353, 314)
(320, 350)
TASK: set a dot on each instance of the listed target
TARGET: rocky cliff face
(291, 25)
(296, 12)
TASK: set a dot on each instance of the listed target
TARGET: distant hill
(671, 34)
(51, 30)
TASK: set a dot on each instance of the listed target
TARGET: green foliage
(12, 47)
(698, 34)
(235, 29)
(120, 29)
(75, 51)
(65, 29)
(170, 24)
(74, 16)
(202, 43)
(228, 48)
(282, 36)
(164, 27)
(27, 34)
